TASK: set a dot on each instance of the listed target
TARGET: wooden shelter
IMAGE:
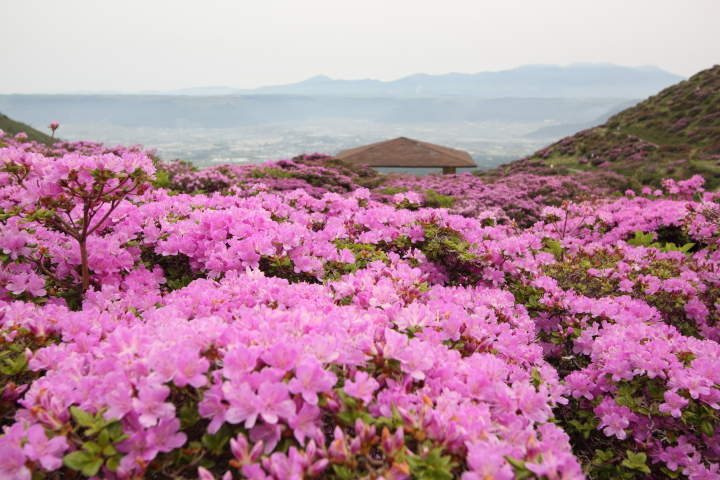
(408, 153)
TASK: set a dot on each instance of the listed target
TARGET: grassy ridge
(674, 134)
(11, 127)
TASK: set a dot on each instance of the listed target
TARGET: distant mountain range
(578, 80)
(248, 110)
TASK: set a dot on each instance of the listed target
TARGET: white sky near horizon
(137, 45)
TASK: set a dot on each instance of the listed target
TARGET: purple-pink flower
(362, 387)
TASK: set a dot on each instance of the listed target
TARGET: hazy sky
(135, 45)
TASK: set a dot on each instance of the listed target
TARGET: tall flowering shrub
(70, 198)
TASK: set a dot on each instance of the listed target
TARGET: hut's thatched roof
(405, 152)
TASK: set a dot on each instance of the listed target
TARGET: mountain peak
(318, 79)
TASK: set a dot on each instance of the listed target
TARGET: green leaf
(85, 462)
(346, 399)
(671, 247)
(38, 475)
(515, 462)
(97, 423)
(344, 472)
(602, 457)
(555, 248)
(92, 447)
(625, 401)
(521, 470)
(83, 419)
(686, 248)
(433, 467)
(654, 390)
(351, 416)
(636, 461)
(216, 442)
(112, 463)
(104, 437)
(92, 468)
(642, 240)
(188, 415)
(109, 451)
(396, 418)
(115, 431)
(537, 378)
(15, 366)
(707, 428)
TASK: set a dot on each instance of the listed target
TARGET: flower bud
(204, 474)
(338, 451)
(239, 448)
(359, 426)
(355, 446)
(311, 450)
(386, 442)
(257, 451)
(398, 439)
(318, 467)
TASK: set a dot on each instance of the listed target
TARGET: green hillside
(11, 127)
(674, 134)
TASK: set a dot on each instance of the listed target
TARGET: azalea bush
(516, 198)
(316, 174)
(334, 331)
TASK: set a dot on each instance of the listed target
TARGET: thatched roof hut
(405, 152)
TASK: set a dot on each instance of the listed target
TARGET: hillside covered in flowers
(308, 318)
(674, 134)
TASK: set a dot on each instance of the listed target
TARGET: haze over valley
(323, 115)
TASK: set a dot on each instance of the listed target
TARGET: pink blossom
(151, 406)
(244, 404)
(46, 451)
(311, 379)
(305, 423)
(12, 462)
(362, 388)
(273, 401)
(673, 404)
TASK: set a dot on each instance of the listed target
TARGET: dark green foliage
(436, 200)
(11, 127)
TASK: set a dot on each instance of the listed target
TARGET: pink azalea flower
(362, 388)
(48, 452)
(212, 406)
(268, 434)
(615, 424)
(150, 404)
(305, 423)
(241, 449)
(12, 462)
(673, 404)
(244, 405)
(167, 435)
(274, 402)
(191, 369)
(311, 379)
